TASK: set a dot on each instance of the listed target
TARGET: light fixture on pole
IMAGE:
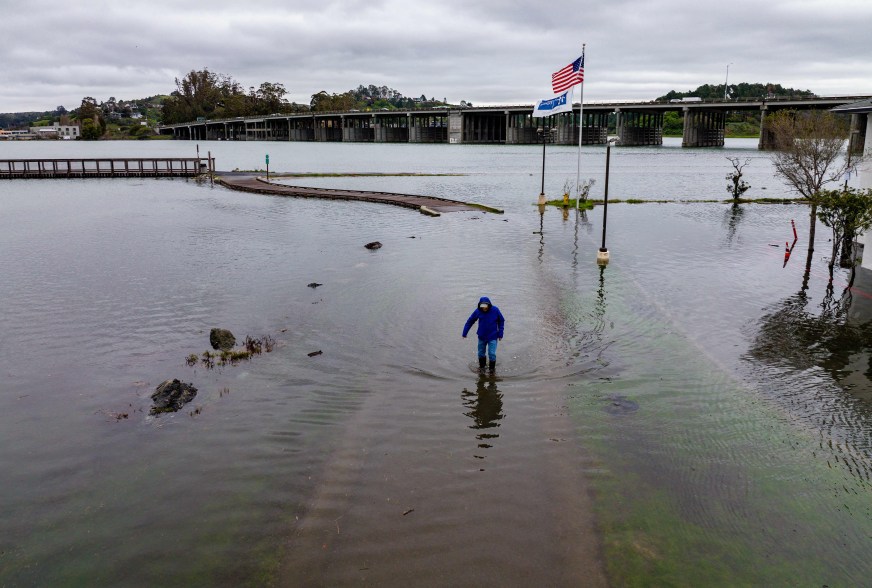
(602, 256)
(726, 81)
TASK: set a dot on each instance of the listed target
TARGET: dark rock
(171, 396)
(314, 285)
(222, 339)
(373, 245)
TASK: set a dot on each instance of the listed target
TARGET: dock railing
(106, 167)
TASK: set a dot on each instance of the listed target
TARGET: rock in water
(222, 339)
(171, 396)
(373, 245)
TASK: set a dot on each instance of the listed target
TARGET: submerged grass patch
(583, 205)
(251, 347)
(707, 484)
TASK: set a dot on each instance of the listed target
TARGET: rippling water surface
(693, 414)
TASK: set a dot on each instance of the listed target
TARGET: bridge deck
(249, 183)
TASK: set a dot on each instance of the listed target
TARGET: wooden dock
(424, 204)
(158, 167)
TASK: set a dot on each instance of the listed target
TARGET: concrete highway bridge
(636, 123)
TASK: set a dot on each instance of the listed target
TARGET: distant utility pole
(727, 81)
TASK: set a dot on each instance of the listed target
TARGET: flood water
(696, 413)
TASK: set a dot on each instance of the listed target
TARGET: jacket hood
(485, 299)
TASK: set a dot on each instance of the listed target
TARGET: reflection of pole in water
(575, 241)
(599, 310)
(541, 231)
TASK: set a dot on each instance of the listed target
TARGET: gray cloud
(486, 51)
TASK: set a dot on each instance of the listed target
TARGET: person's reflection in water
(486, 410)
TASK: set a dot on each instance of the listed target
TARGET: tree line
(738, 123)
(214, 95)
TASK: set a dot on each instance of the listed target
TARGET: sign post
(267, 167)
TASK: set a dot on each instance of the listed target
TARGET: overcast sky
(483, 51)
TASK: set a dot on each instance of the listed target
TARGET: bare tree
(808, 154)
(737, 185)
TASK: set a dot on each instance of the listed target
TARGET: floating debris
(314, 284)
(373, 245)
(314, 353)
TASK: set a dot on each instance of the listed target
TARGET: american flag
(565, 78)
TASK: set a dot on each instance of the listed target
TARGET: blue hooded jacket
(490, 323)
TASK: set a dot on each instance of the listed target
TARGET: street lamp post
(602, 256)
(726, 81)
(542, 131)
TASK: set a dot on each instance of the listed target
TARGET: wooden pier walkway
(425, 204)
(158, 167)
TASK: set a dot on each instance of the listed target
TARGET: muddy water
(659, 420)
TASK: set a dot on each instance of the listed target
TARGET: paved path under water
(424, 204)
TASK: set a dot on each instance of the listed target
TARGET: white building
(56, 131)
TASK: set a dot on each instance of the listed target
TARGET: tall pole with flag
(580, 130)
(562, 80)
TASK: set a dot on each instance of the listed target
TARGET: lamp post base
(602, 256)
(541, 199)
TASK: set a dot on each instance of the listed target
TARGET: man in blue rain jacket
(490, 330)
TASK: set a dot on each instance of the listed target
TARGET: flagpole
(580, 134)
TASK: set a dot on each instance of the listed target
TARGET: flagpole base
(541, 199)
(602, 256)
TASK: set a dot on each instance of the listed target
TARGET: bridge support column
(703, 128)
(483, 127)
(357, 129)
(455, 126)
(302, 130)
(428, 128)
(390, 129)
(328, 129)
(639, 128)
(520, 129)
(767, 139)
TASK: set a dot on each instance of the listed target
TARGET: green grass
(583, 205)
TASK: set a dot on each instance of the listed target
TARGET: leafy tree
(90, 130)
(673, 124)
(200, 93)
(807, 157)
(91, 116)
(737, 185)
(271, 98)
(847, 212)
(322, 101)
(737, 91)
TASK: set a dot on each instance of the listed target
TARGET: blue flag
(559, 103)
